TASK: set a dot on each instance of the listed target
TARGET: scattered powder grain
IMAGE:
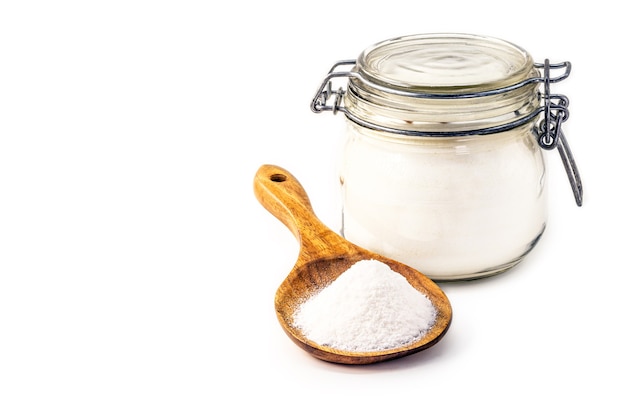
(368, 308)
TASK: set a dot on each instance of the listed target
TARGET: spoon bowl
(323, 257)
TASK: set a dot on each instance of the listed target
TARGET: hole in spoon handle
(282, 195)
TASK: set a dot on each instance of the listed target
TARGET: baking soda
(450, 208)
(368, 308)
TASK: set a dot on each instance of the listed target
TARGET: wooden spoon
(324, 255)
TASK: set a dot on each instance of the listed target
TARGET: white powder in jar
(369, 307)
(450, 208)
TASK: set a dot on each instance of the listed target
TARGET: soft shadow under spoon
(323, 257)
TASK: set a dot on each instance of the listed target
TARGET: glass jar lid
(445, 63)
(442, 83)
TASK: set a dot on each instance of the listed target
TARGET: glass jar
(442, 165)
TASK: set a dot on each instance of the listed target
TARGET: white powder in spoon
(367, 308)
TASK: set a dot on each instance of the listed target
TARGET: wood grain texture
(323, 256)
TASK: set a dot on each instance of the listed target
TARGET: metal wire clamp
(549, 129)
(550, 133)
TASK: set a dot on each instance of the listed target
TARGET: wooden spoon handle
(283, 196)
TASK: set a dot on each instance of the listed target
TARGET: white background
(137, 270)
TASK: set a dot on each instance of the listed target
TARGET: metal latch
(549, 133)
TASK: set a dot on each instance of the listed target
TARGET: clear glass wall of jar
(453, 208)
(441, 167)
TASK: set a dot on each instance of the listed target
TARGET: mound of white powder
(368, 308)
